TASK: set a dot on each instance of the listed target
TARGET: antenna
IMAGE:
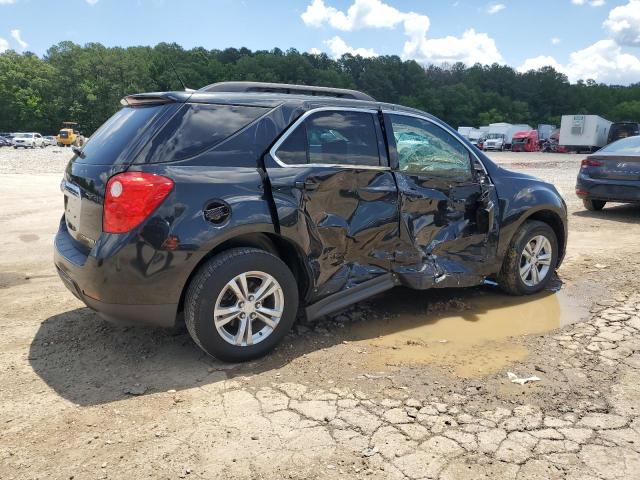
(186, 89)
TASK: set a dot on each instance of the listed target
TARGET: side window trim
(394, 161)
(374, 112)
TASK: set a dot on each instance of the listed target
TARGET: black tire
(208, 283)
(509, 277)
(593, 205)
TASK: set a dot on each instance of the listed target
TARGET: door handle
(306, 185)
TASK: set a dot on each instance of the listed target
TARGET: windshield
(493, 136)
(23, 135)
(626, 146)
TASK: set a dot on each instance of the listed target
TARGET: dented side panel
(347, 225)
(439, 243)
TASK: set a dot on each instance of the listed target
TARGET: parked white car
(28, 140)
(49, 140)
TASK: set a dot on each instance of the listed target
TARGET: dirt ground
(408, 385)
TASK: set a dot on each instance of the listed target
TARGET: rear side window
(333, 138)
(198, 127)
(114, 136)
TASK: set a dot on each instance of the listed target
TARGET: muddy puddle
(472, 333)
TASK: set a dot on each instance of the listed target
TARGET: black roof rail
(285, 88)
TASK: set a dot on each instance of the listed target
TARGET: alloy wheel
(249, 308)
(535, 260)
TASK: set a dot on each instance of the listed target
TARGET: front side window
(425, 148)
(333, 138)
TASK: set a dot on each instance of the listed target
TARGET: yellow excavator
(70, 135)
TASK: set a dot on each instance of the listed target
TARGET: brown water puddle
(473, 332)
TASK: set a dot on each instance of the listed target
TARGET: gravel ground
(27, 161)
(81, 398)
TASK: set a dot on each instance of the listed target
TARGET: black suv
(238, 203)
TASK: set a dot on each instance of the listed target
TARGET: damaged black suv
(239, 203)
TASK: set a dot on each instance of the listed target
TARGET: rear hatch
(613, 167)
(150, 129)
(110, 150)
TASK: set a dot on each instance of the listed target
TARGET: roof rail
(259, 87)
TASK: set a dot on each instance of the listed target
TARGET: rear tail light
(130, 198)
(581, 193)
(587, 162)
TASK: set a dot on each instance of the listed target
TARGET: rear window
(108, 142)
(627, 146)
(197, 128)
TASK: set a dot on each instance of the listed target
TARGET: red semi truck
(525, 142)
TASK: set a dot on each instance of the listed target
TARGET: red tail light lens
(130, 198)
(587, 162)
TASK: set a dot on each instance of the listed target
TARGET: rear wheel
(593, 205)
(241, 304)
(531, 260)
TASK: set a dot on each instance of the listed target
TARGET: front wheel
(531, 259)
(593, 205)
(241, 304)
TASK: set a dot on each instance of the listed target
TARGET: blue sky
(597, 39)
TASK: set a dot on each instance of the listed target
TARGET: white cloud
(593, 3)
(16, 36)
(338, 47)
(495, 8)
(471, 48)
(363, 14)
(4, 45)
(555, 40)
(604, 61)
(92, 2)
(7, 2)
(623, 23)
(315, 51)
(537, 63)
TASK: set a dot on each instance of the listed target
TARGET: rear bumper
(83, 274)
(624, 191)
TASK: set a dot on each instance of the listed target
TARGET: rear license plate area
(72, 207)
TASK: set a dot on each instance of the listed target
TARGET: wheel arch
(546, 215)
(554, 220)
(286, 250)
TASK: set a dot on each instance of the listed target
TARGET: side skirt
(344, 298)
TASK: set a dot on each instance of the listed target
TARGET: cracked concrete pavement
(81, 398)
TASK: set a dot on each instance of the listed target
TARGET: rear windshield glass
(628, 146)
(196, 128)
(116, 134)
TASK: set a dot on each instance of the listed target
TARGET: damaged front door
(448, 231)
(336, 197)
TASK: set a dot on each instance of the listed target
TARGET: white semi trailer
(500, 135)
(583, 132)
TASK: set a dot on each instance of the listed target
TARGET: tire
(593, 205)
(209, 293)
(510, 278)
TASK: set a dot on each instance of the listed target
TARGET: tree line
(85, 84)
